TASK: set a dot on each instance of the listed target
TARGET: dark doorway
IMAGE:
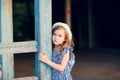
(79, 22)
(58, 11)
(95, 24)
(23, 30)
(106, 21)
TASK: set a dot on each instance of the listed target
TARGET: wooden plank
(6, 26)
(6, 36)
(91, 27)
(43, 36)
(68, 12)
(18, 47)
(27, 78)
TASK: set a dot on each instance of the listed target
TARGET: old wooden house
(94, 24)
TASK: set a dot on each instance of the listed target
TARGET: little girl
(63, 58)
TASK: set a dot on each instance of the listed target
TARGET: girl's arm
(59, 67)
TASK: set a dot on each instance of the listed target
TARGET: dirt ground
(88, 66)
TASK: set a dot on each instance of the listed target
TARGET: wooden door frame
(42, 42)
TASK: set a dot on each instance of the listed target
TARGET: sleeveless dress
(66, 74)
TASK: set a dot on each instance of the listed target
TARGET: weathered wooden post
(42, 42)
(6, 36)
(68, 12)
(43, 35)
(91, 26)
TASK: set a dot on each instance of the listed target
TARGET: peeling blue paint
(42, 41)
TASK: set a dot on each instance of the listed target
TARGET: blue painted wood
(6, 36)
(18, 47)
(43, 36)
(41, 44)
(27, 78)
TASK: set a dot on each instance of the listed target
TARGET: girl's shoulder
(72, 55)
(69, 48)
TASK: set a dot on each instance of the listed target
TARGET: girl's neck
(56, 47)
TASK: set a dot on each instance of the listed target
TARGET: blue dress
(65, 75)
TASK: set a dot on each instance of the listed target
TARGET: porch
(89, 66)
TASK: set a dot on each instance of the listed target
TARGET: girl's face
(58, 37)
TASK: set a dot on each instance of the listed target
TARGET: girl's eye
(60, 35)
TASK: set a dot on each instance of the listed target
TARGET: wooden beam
(18, 47)
(6, 36)
(91, 27)
(68, 12)
(43, 23)
(27, 78)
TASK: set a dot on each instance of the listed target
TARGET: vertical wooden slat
(43, 36)
(68, 12)
(6, 36)
(91, 26)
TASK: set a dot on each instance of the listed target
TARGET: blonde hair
(68, 40)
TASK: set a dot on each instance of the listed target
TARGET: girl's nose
(56, 37)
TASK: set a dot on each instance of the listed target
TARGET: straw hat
(65, 26)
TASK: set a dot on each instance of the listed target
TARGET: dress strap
(66, 50)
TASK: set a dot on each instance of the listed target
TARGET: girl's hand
(43, 57)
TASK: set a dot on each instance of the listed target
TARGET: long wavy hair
(66, 43)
